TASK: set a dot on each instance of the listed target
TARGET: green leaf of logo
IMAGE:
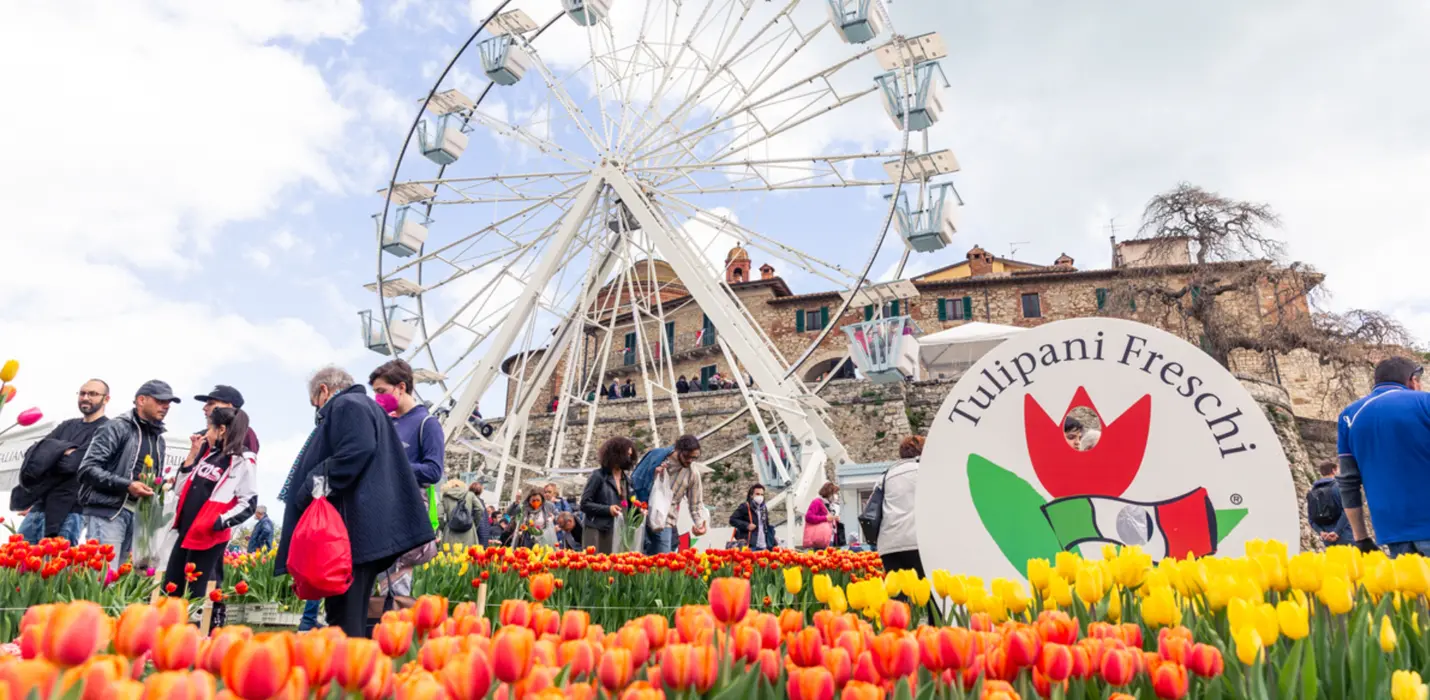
(1011, 511)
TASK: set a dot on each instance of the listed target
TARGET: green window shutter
(942, 309)
(1196, 294)
(968, 308)
(869, 312)
(799, 321)
(1101, 298)
(670, 334)
(630, 341)
(1132, 303)
(823, 317)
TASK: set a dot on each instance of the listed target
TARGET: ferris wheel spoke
(558, 90)
(771, 174)
(528, 137)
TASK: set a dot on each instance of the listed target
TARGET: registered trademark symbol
(1236, 499)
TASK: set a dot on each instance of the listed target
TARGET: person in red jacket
(216, 494)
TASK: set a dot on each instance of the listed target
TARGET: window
(670, 334)
(707, 332)
(630, 353)
(955, 309)
(1101, 298)
(891, 309)
(705, 374)
(1032, 306)
(811, 320)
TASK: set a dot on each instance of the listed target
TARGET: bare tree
(1219, 273)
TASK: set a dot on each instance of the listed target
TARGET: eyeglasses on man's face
(91, 394)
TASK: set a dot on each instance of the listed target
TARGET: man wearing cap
(109, 486)
(222, 396)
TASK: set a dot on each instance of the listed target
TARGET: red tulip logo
(1105, 470)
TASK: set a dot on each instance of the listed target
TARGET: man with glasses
(1383, 440)
(50, 476)
(109, 486)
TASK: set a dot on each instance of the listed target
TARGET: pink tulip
(29, 417)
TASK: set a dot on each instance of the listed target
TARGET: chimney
(980, 262)
(1064, 262)
(767, 271)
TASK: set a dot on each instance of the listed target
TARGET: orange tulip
(864, 668)
(419, 686)
(1120, 696)
(1205, 660)
(746, 642)
(1043, 686)
(394, 638)
(180, 685)
(769, 663)
(91, 680)
(1055, 626)
(851, 641)
(729, 599)
(642, 690)
(815, 683)
(1169, 681)
(124, 689)
(633, 638)
(296, 688)
(38, 615)
(545, 621)
(1118, 666)
(258, 668)
(840, 665)
(579, 656)
(895, 655)
(468, 676)
(895, 615)
(955, 646)
(355, 662)
(428, 613)
(542, 586)
(998, 690)
(806, 648)
(511, 653)
(172, 611)
(74, 632)
(1022, 645)
(379, 686)
(657, 628)
(676, 667)
(1173, 643)
(996, 665)
(32, 638)
(1082, 662)
(436, 652)
(317, 655)
(705, 667)
(21, 677)
(514, 613)
(693, 621)
(1055, 662)
(614, 670)
(574, 624)
(791, 621)
(176, 648)
(861, 691)
(136, 630)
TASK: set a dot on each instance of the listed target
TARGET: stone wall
(1276, 403)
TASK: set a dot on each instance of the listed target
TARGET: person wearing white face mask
(752, 522)
(819, 518)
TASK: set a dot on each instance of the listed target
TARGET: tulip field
(1336, 625)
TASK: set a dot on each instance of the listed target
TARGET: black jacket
(373, 487)
(112, 462)
(741, 519)
(600, 494)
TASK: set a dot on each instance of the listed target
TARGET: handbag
(320, 555)
(872, 517)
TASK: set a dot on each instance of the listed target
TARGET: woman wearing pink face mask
(388, 402)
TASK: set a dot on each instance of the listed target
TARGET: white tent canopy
(954, 350)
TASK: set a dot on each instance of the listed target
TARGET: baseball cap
(224, 393)
(158, 390)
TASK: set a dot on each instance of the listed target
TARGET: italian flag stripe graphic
(1177, 527)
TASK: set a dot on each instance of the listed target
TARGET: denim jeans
(117, 532)
(659, 541)
(310, 615)
(1421, 547)
(33, 527)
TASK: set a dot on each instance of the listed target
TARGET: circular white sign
(1186, 461)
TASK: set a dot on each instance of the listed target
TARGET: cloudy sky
(188, 185)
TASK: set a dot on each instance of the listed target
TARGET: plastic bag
(320, 556)
(661, 494)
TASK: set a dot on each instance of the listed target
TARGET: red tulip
(955, 646)
(791, 621)
(1205, 660)
(356, 663)
(746, 643)
(704, 667)
(806, 648)
(515, 613)
(1118, 666)
(895, 655)
(29, 417)
(642, 690)
(1022, 645)
(769, 663)
(542, 586)
(815, 683)
(1055, 626)
(379, 686)
(511, 653)
(1056, 662)
(92, 679)
(74, 632)
(317, 655)
(176, 648)
(729, 599)
(579, 655)
(657, 628)
(862, 691)
(32, 640)
(676, 667)
(136, 630)
(181, 685)
(1082, 662)
(574, 624)
(840, 665)
(1169, 681)
(864, 668)
(468, 676)
(21, 677)
(895, 615)
(256, 669)
(614, 670)
(394, 637)
(428, 613)
(545, 621)
(436, 652)
(172, 611)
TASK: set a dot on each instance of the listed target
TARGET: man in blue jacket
(1383, 440)
(356, 448)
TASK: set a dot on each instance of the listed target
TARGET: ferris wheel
(571, 180)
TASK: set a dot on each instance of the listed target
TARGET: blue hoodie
(1342, 528)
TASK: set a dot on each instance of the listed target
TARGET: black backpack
(460, 518)
(872, 517)
(1321, 507)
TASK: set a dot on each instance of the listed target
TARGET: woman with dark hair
(752, 522)
(217, 493)
(606, 494)
(534, 520)
(819, 517)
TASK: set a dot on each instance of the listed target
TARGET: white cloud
(259, 258)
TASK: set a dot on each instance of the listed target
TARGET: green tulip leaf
(1011, 511)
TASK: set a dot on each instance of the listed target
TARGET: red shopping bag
(320, 556)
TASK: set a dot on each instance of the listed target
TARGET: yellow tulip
(1387, 635)
(1066, 565)
(836, 601)
(822, 586)
(919, 591)
(1248, 644)
(1131, 566)
(1306, 570)
(1114, 606)
(9, 370)
(1272, 573)
(1411, 575)
(149, 461)
(1039, 571)
(1060, 592)
(1406, 685)
(856, 594)
(1160, 608)
(1295, 619)
(942, 582)
(794, 580)
(1090, 585)
(893, 583)
(1337, 595)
